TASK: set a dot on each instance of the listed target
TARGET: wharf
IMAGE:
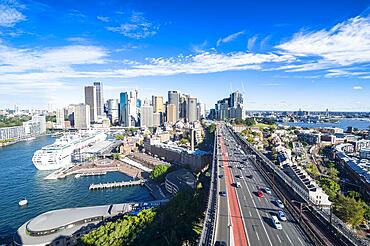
(116, 184)
(98, 167)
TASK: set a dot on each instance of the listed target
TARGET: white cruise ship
(59, 154)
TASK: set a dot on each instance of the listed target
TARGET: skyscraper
(112, 110)
(236, 98)
(129, 108)
(82, 116)
(90, 99)
(201, 107)
(192, 109)
(146, 115)
(184, 106)
(174, 99)
(157, 102)
(99, 98)
(60, 118)
(171, 113)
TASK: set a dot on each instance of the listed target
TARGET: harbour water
(19, 178)
(342, 123)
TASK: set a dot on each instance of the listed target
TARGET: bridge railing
(334, 223)
(208, 232)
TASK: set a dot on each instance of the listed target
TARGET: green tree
(313, 170)
(330, 187)
(158, 172)
(349, 210)
(120, 137)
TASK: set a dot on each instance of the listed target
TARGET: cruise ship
(59, 154)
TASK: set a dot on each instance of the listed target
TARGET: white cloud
(357, 87)
(344, 44)
(138, 27)
(77, 39)
(229, 38)
(103, 18)
(251, 42)
(9, 15)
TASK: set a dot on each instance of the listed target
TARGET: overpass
(241, 217)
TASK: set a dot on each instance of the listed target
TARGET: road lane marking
(234, 205)
(278, 238)
(289, 238)
(300, 240)
(258, 237)
(250, 213)
(259, 216)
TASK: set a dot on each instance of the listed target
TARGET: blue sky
(284, 55)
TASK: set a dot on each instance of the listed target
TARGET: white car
(279, 204)
(268, 190)
(281, 216)
(276, 222)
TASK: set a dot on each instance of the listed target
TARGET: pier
(117, 184)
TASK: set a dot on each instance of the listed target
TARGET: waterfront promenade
(99, 167)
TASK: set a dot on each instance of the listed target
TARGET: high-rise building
(201, 110)
(171, 113)
(184, 98)
(90, 99)
(82, 116)
(230, 107)
(40, 119)
(157, 102)
(113, 110)
(174, 99)
(60, 118)
(192, 109)
(129, 105)
(236, 98)
(146, 115)
(99, 98)
(157, 119)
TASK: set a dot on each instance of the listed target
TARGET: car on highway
(276, 222)
(250, 176)
(279, 203)
(281, 216)
(222, 193)
(237, 176)
(259, 193)
(237, 184)
(220, 243)
(267, 190)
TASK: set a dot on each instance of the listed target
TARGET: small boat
(23, 202)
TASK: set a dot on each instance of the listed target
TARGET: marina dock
(117, 184)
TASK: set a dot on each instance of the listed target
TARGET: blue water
(19, 178)
(343, 123)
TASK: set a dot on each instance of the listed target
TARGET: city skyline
(281, 56)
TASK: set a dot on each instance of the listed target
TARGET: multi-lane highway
(243, 216)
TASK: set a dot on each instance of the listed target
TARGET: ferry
(59, 154)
